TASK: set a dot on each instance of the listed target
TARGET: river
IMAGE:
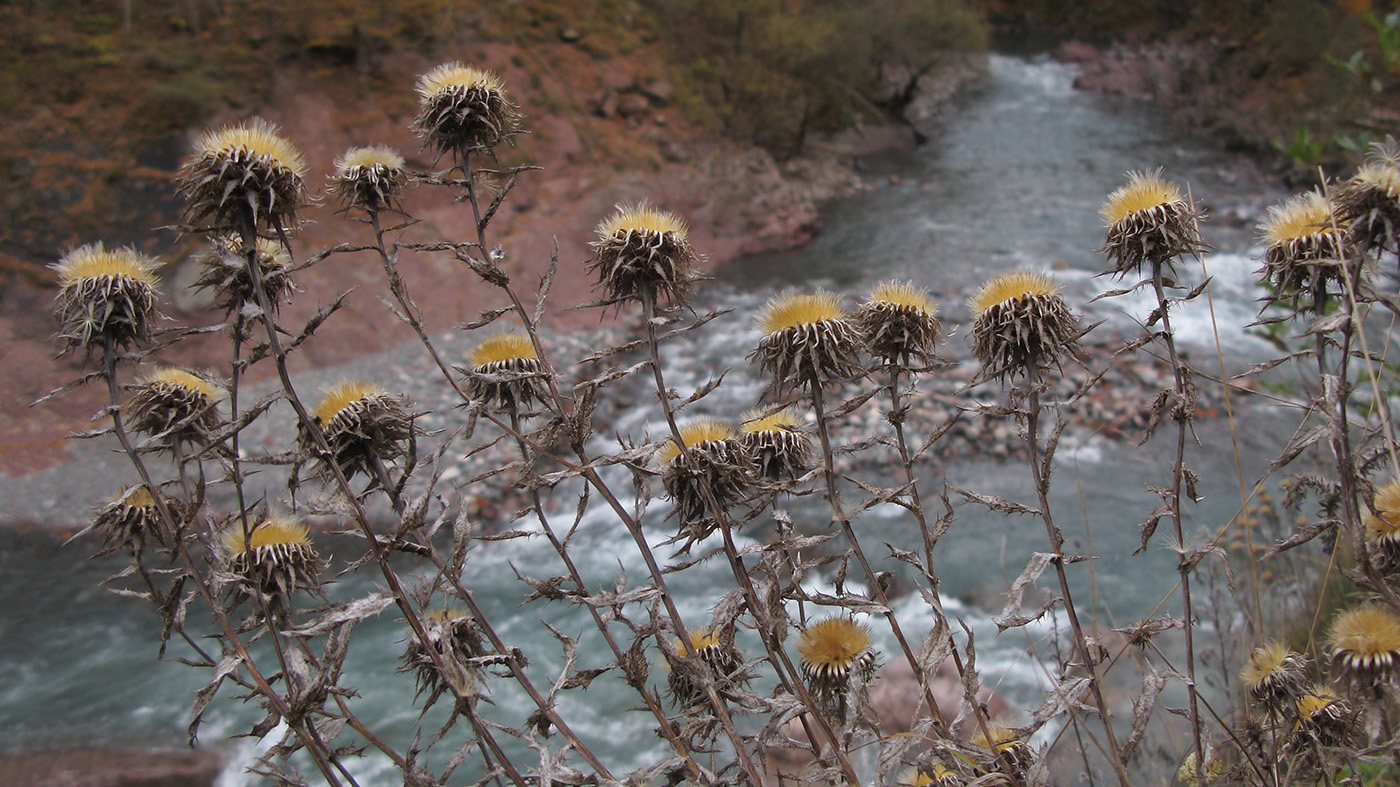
(1013, 179)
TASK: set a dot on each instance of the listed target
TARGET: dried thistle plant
(105, 296)
(777, 443)
(1364, 645)
(1368, 202)
(456, 641)
(719, 660)
(719, 463)
(836, 656)
(1275, 676)
(128, 521)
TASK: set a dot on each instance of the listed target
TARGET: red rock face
(112, 768)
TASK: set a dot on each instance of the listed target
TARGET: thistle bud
(275, 557)
(1149, 221)
(899, 324)
(719, 462)
(836, 654)
(175, 406)
(1368, 203)
(370, 179)
(362, 424)
(718, 661)
(777, 444)
(225, 271)
(1304, 252)
(505, 372)
(454, 637)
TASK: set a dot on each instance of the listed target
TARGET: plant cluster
(786, 659)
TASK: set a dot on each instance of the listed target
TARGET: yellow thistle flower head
(807, 340)
(95, 261)
(899, 324)
(1305, 246)
(105, 295)
(243, 174)
(833, 650)
(369, 178)
(174, 405)
(272, 532)
(1369, 201)
(784, 420)
(463, 108)
(700, 640)
(1322, 718)
(1020, 322)
(642, 250)
(695, 435)
(777, 443)
(1148, 220)
(503, 347)
(1144, 191)
(1365, 642)
(1301, 216)
(363, 426)
(799, 310)
(642, 218)
(1383, 527)
(718, 462)
(189, 381)
(276, 556)
(505, 372)
(341, 395)
(129, 518)
(1017, 286)
(1274, 674)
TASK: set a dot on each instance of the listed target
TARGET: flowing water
(1014, 178)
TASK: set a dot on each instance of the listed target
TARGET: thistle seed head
(1001, 747)
(505, 372)
(245, 172)
(899, 324)
(1383, 527)
(718, 661)
(1020, 322)
(1305, 251)
(361, 423)
(1368, 203)
(176, 405)
(1148, 220)
(129, 519)
(719, 461)
(370, 179)
(935, 775)
(105, 295)
(1323, 719)
(1275, 675)
(462, 108)
(806, 337)
(777, 443)
(225, 271)
(641, 248)
(454, 637)
(1364, 643)
(276, 557)
(834, 651)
